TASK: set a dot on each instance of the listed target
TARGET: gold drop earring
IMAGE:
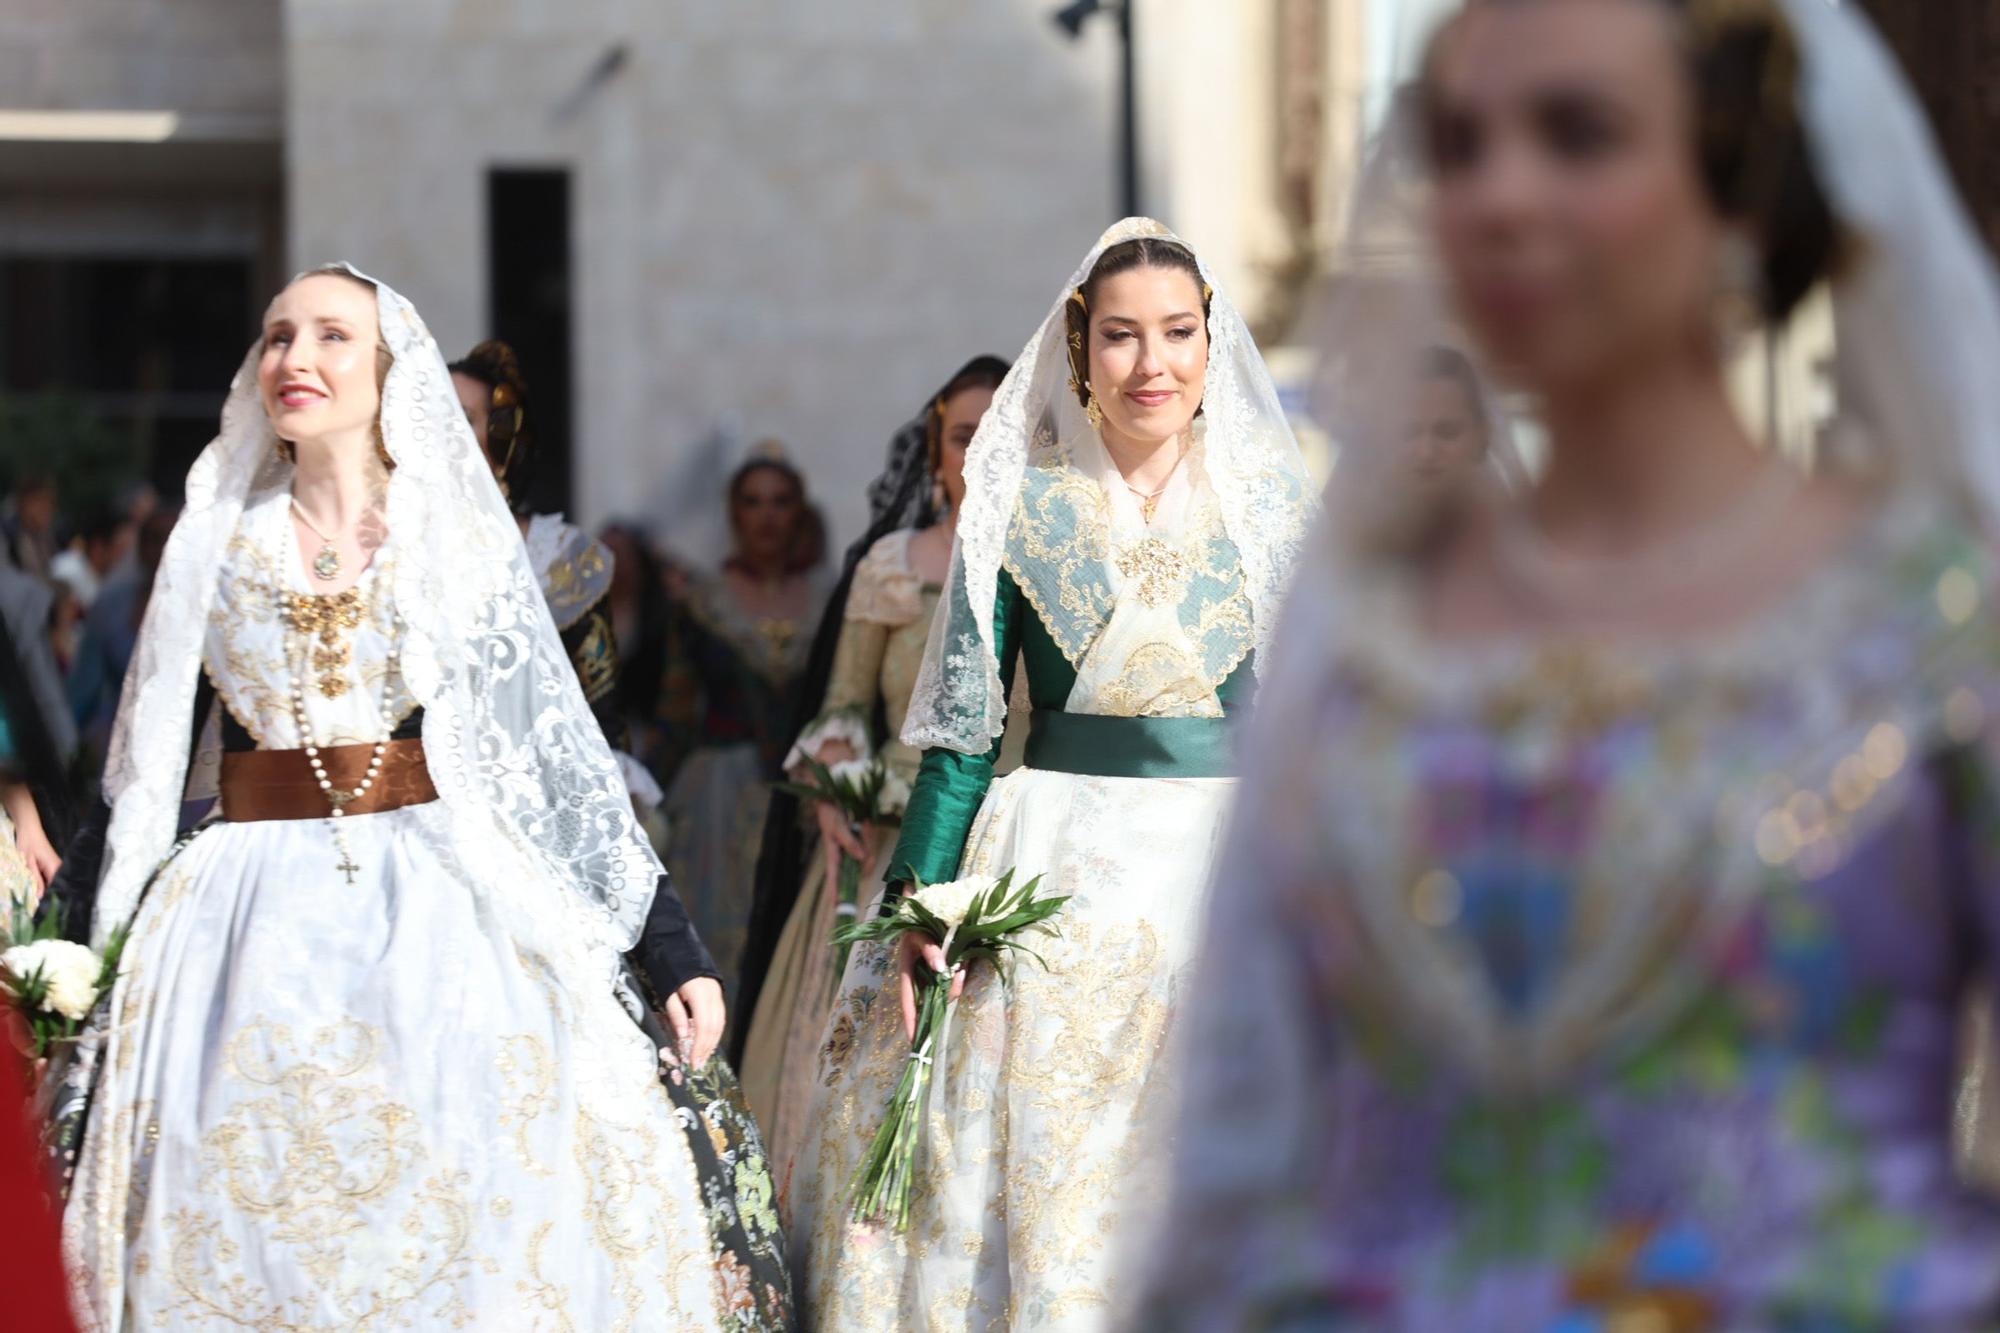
(1093, 412)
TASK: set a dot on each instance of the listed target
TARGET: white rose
(949, 902)
(854, 772)
(895, 798)
(70, 970)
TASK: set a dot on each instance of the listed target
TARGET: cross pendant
(347, 867)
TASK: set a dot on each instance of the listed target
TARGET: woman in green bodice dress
(1134, 500)
(870, 649)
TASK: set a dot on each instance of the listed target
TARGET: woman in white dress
(372, 1058)
(1133, 501)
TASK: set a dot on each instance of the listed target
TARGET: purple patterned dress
(1565, 990)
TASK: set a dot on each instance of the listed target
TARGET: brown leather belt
(279, 784)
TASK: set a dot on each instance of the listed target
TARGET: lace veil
(1252, 460)
(1917, 318)
(511, 744)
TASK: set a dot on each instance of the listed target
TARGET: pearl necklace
(337, 800)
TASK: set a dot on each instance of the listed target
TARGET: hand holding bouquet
(864, 794)
(970, 919)
(51, 981)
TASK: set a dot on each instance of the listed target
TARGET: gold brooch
(1162, 573)
(326, 618)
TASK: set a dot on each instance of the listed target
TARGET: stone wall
(791, 218)
(217, 62)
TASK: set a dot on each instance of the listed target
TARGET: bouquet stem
(976, 920)
(846, 907)
(886, 1183)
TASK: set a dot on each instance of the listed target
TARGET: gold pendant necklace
(325, 565)
(1148, 504)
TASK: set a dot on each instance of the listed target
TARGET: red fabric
(32, 1288)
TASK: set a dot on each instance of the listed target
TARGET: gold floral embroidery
(1159, 680)
(772, 646)
(621, 1228)
(577, 580)
(1160, 574)
(1056, 549)
(346, 1144)
(1060, 540)
(1037, 1152)
(530, 1076)
(544, 1296)
(1077, 1072)
(347, 1149)
(596, 660)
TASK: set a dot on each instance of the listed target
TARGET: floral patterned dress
(1581, 988)
(885, 621)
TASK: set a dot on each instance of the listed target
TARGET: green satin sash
(1130, 747)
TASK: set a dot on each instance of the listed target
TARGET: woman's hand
(40, 856)
(837, 838)
(912, 949)
(29, 838)
(695, 1013)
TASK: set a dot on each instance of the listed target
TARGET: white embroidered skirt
(400, 1102)
(1051, 1094)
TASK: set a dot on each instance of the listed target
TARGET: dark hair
(809, 539)
(765, 462)
(982, 372)
(1751, 146)
(1125, 257)
(153, 535)
(1448, 363)
(1755, 156)
(101, 523)
(509, 442)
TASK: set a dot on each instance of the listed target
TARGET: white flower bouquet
(52, 982)
(972, 919)
(867, 793)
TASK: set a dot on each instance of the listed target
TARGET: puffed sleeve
(950, 786)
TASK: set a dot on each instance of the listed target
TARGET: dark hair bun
(1755, 156)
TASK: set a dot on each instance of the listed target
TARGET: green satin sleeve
(950, 786)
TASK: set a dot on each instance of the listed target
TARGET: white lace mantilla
(1259, 481)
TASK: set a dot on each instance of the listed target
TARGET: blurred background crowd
(729, 245)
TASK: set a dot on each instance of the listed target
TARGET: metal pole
(1128, 111)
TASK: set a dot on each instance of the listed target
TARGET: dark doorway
(528, 288)
(120, 364)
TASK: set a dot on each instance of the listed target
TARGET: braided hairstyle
(509, 442)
